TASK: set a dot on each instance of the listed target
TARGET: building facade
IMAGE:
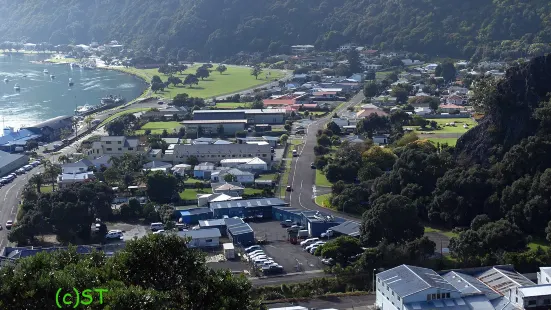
(214, 153)
(114, 146)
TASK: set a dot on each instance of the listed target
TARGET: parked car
(272, 269)
(307, 242)
(314, 248)
(300, 132)
(252, 248)
(312, 165)
(328, 261)
(295, 153)
(316, 244)
(289, 189)
(114, 234)
(286, 223)
(160, 102)
(156, 226)
(253, 252)
(257, 255)
(160, 231)
(9, 224)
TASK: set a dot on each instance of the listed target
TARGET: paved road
(302, 176)
(288, 278)
(10, 194)
(342, 303)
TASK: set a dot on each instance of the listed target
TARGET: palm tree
(37, 180)
(88, 121)
(51, 171)
(63, 159)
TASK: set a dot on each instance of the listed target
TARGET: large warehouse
(214, 153)
(11, 162)
(261, 207)
(50, 130)
(253, 116)
(209, 127)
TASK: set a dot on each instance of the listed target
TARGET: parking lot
(129, 231)
(284, 253)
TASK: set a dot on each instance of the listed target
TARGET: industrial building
(218, 224)
(214, 153)
(16, 140)
(496, 287)
(252, 116)
(348, 228)
(258, 208)
(240, 232)
(50, 130)
(287, 213)
(210, 127)
(202, 238)
(11, 162)
(193, 216)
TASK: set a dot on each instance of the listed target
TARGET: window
(398, 298)
(433, 296)
(516, 299)
(107, 142)
(379, 280)
(531, 303)
(547, 301)
(119, 149)
(447, 295)
(547, 279)
(109, 149)
(130, 148)
(208, 240)
(428, 297)
(438, 296)
(119, 142)
(263, 155)
(387, 288)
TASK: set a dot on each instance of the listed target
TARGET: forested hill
(462, 28)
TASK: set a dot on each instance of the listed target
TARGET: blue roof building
(249, 208)
(219, 224)
(317, 222)
(12, 140)
(241, 234)
(193, 216)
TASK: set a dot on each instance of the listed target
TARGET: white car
(307, 242)
(254, 252)
(252, 257)
(161, 231)
(114, 234)
(308, 248)
(252, 249)
(9, 224)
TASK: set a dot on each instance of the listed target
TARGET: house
(409, 62)
(301, 49)
(80, 166)
(372, 67)
(114, 146)
(202, 238)
(449, 108)
(157, 166)
(243, 177)
(255, 164)
(203, 170)
(346, 47)
(422, 111)
(381, 139)
(234, 189)
(340, 121)
(431, 67)
(66, 179)
(369, 109)
(454, 100)
(327, 95)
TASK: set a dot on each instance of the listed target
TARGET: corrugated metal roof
(249, 203)
(467, 284)
(349, 228)
(502, 280)
(201, 233)
(240, 229)
(406, 280)
(208, 223)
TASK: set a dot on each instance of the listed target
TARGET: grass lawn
(321, 180)
(271, 176)
(324, 200)
(193, 181)
(449, 141)
(232, 105)
(297, 142)
(446, 233)
(158, 127)
(381, 75)
(46, 189)
(191, 193)
(538, 242)
(235, 79)
(458, 128)
(252, 191)
(121, 113)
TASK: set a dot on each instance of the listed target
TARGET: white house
(114, 146)
(241, 176)
(205, 199)
(255, 164)
(66, 179)
(431, 67)
(234, 189)
(454, 99)
(202, 238)
(78, 167)
(544, 275)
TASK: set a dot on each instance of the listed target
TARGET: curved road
(302, 177)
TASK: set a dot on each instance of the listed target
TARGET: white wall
(204, 242)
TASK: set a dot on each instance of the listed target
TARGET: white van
(157, 226)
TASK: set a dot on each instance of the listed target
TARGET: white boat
(6, 80)
(16, 87)
(45, 71)
(83, 109)
(52, 76)
(71, 82)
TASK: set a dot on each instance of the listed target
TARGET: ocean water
(42, 97)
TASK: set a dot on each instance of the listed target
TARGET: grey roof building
(215, 152)
(348, 228)
(11, 162)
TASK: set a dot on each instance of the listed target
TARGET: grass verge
(121, 113)
(321, 180)
(324, 200)
(446, 233)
